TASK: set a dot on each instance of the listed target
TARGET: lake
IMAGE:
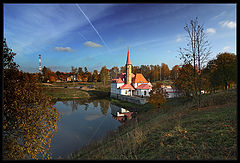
(82, 123)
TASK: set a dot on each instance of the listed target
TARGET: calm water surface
(82, 123)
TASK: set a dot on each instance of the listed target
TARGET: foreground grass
(177, 131)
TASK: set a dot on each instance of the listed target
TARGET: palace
(129, 84)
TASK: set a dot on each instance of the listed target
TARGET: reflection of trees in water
(86, 106)
(31, 133)
(95, 103)
(29, 124)
(104, 106)
(85, 102)
(65, 103)
(74, 105)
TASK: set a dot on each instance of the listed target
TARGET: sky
(97, 35)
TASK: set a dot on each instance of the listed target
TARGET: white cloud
(229, 24)
(227, 48)
(92, 44)
(178, 39)
(66, 49)
(211, 30)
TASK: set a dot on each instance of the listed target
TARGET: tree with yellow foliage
(29, 118)
(157, 95)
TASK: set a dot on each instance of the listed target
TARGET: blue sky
(95, 35)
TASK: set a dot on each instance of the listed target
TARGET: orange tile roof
(144, 86)
(119, 80)
(127, 86)
(123, 76)
(139, 78)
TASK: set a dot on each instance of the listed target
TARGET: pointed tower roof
(128, 58)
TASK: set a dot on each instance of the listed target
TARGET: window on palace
(126, 92)
(145, 93)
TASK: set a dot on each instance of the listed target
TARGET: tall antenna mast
(40, 68)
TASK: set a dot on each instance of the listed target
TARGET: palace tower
(128, 70)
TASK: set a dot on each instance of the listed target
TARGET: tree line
(151, 72)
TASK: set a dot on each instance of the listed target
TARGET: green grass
(65, 93)
(58, 92)
(165, 82)
(176, 131)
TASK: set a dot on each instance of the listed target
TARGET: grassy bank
(76, 90)
(176, 131)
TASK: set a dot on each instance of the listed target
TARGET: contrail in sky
(82, 36)
(92, 26)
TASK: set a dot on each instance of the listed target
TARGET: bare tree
(196, 53)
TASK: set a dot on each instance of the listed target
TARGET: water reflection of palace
(121, 114)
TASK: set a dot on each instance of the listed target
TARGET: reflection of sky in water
(78, 126)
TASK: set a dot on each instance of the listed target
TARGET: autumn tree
(146, 71)
(174, 72)
(29, 117)
(46, 74)
(184, 82)
(85, 70)
(136, 69)
(95, 76)
(58, 73)
(123, 69)
(89, 77)
(223, 70)
(196, 53)
(80, 72)
(165, 72)
(114, 72)
(74, 70)
(157, 95)
(104, 75)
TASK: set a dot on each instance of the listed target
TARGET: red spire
(128, 59)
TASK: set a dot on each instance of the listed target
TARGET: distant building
(130, 84)
(171, 93)
(69, 79)
(58, 80)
